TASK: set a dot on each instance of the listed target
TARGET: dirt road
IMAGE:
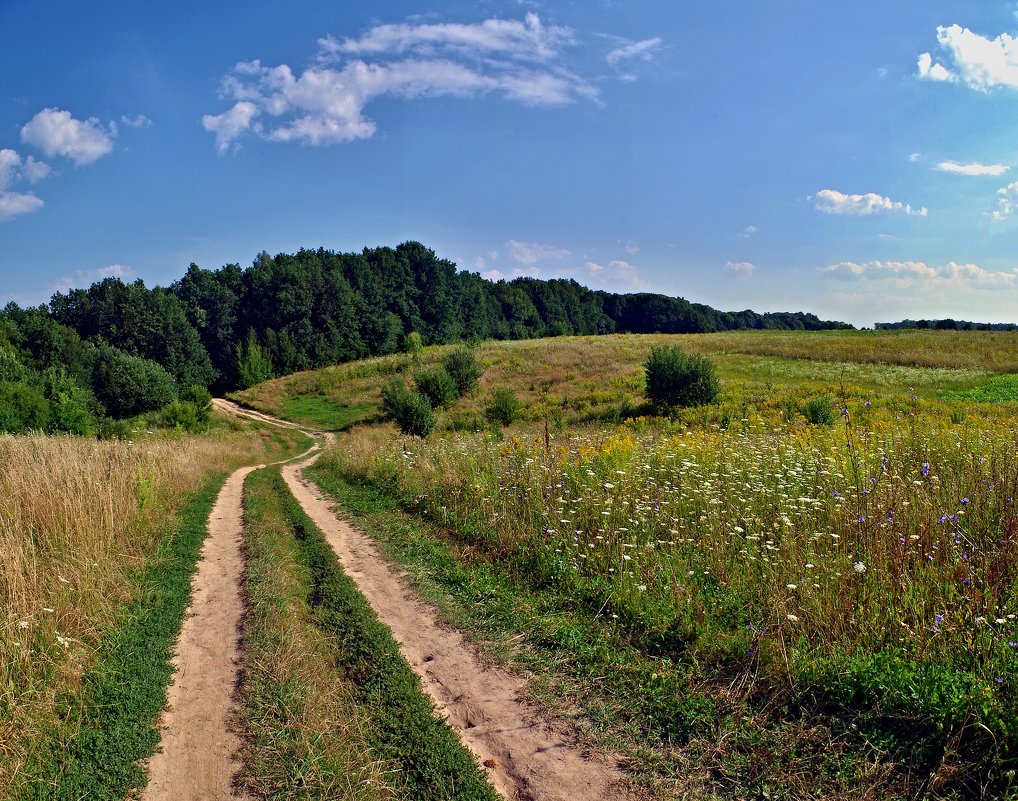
(198, 756)
(526, 756)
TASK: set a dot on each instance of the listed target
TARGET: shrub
(504, 407)
(184, 415)
(413, 344)
(677, 379)
(820, 411)
(437, 386)
(410, 410)
(22, 408)
(128, 385)
(464, 369)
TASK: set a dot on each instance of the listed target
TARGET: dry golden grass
(78, 517)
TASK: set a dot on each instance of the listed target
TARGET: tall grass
(783, 547)
(78, 518)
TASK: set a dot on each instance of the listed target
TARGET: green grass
(95, 748)
(322, 413)
(423, 759)
(305, 730)
(995, 389)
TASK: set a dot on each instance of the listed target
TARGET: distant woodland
(116, 350)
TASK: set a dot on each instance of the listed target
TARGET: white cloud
(1007, 201)
(631, 248)
(13, 169)
(934, 72)
(56, 132)
(913, 273)
(914, 157)
(230, 124)
(85, 278)
(748, 231)
(972, 169)
(527, 39)
(15, 203)
(981, 63)
(831, 201)
(138, 121)
(534, 252)
(326, 103)
(642, 50)
(493, 275)
(615, 273)
(740, 269)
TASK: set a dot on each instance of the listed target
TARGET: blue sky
(854, 160)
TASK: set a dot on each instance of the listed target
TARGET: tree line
(119, 349)
(946, 324)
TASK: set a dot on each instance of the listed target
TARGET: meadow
(859, 571)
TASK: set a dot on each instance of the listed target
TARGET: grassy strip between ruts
(422, 757)
(96, 749)
(306, 730)
(684, 732)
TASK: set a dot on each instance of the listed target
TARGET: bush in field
(200, 398)
(128, 385)
(464, 369)
(437, 386)
(22, 408)
(410, 410)
(820, 411)
(504, 407)
(413, 344)
(675, 379)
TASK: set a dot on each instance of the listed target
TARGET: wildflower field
(864, 571)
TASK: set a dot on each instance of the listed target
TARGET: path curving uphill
(527, 757)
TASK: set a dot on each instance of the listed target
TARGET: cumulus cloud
(56, 132)
(533, 252)
(15, 203)
(912, 273)
(914, 157)
(930, 71)
(748, 231)
(13, 170)
(1007, 201)
(831, 201)
(974, 168)
(83, 278)
(615, 273)
(326, 103)
(138, 121)
(740, 269)
(981, 63)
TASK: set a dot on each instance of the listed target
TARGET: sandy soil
(526, 756)
(198, 757)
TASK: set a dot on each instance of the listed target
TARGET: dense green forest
(947, 324)
(117, 350)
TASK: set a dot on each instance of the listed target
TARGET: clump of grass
(306, 735)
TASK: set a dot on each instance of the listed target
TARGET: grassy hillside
(579, 378)
(753, 598)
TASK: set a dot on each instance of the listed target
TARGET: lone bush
(437, 386)
(675, 379)
(128, 385)
(410, 410)
(464, 369)
(504, 407)
(413, 344)
(820, 411)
